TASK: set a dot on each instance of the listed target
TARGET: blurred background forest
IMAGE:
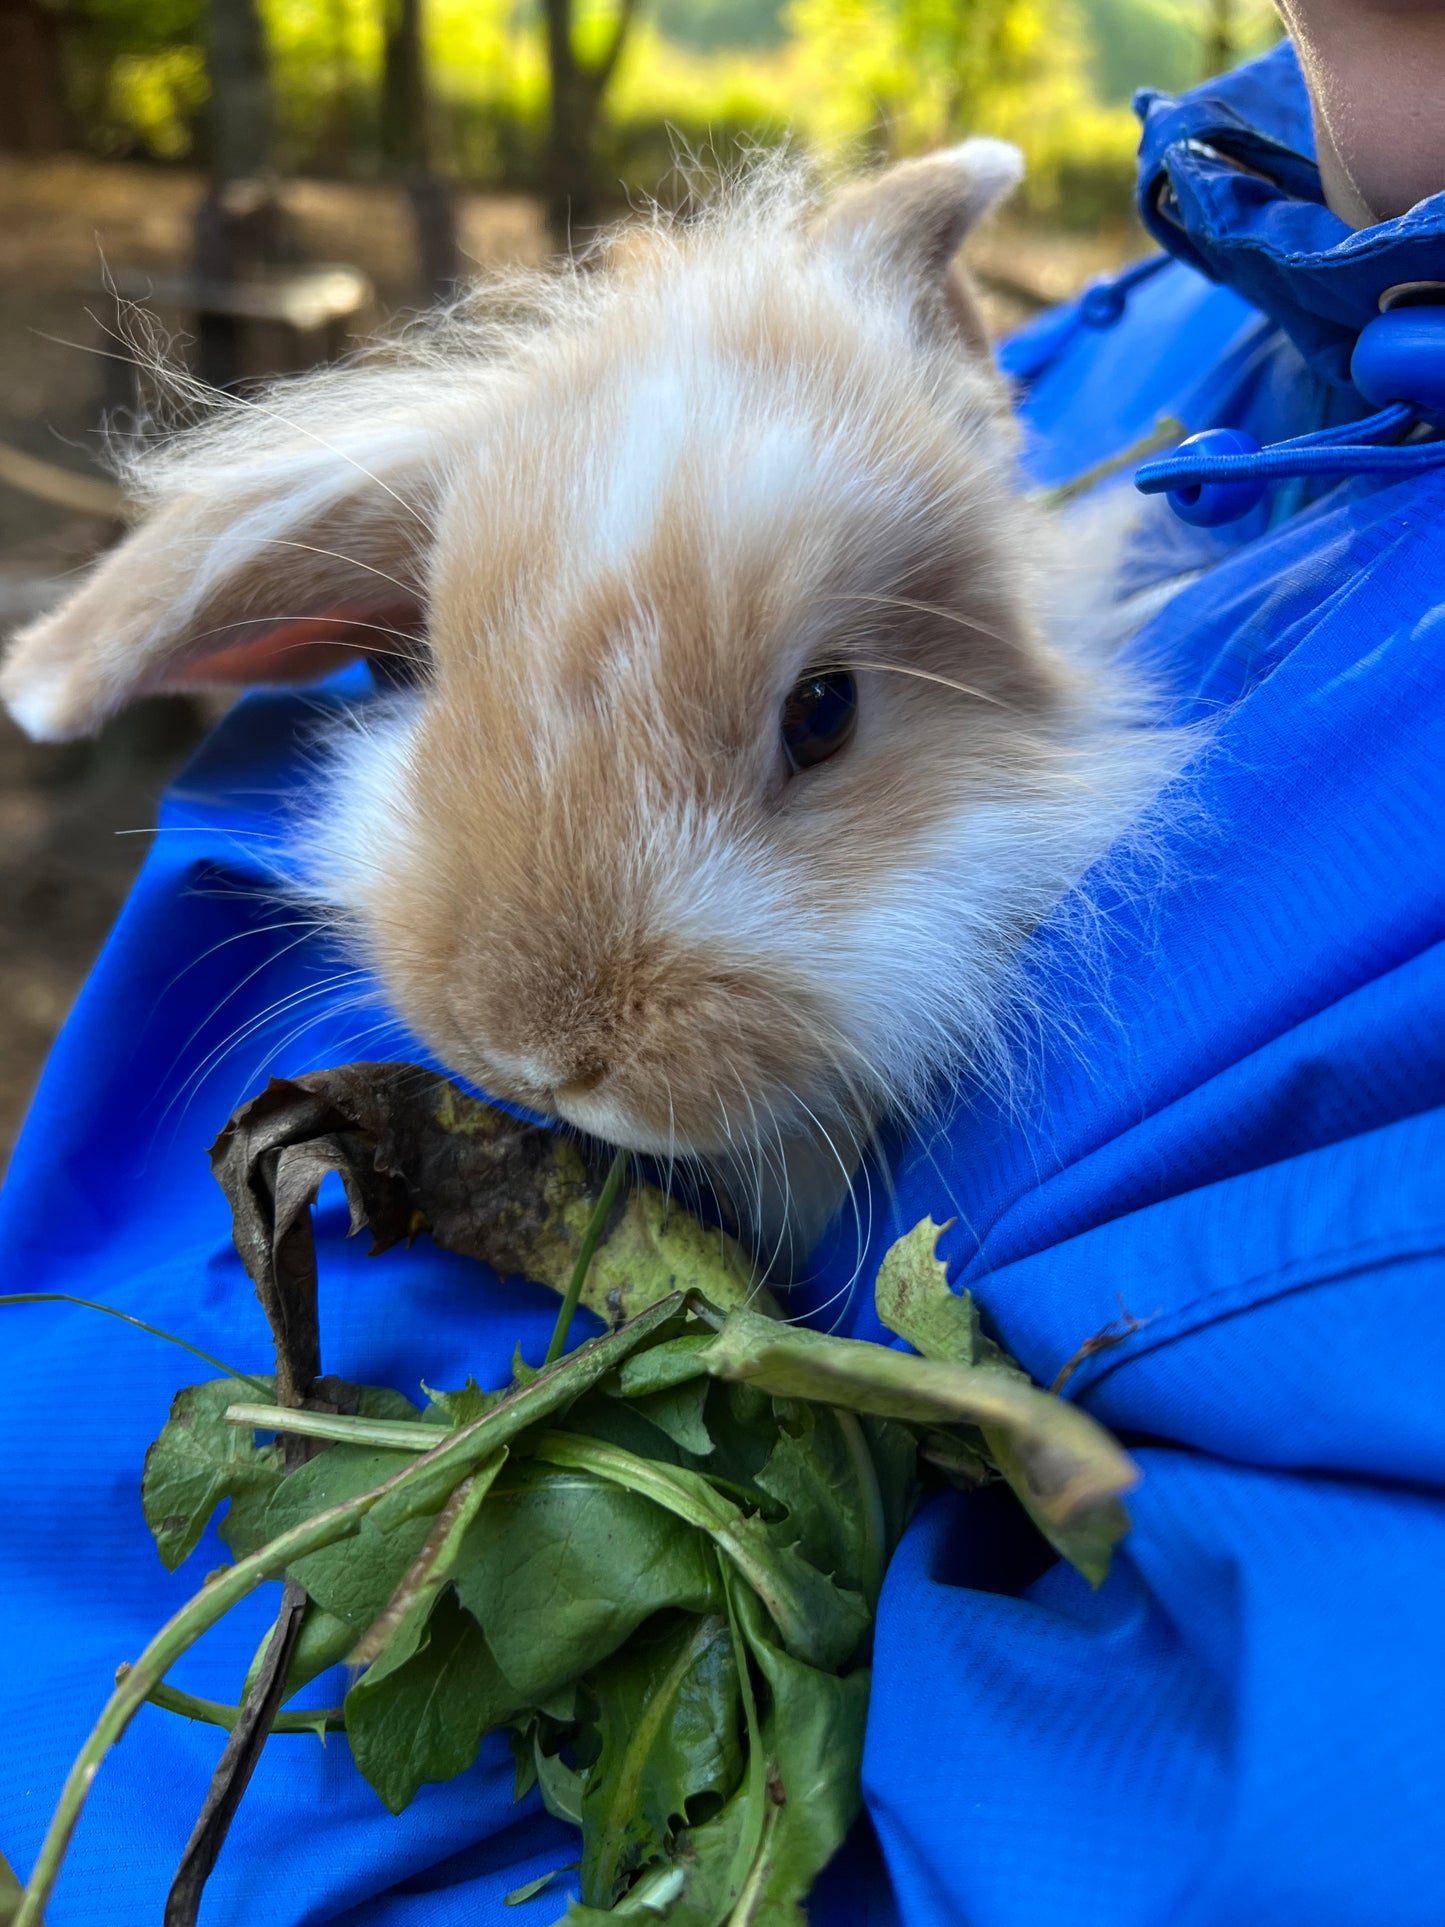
(274, 179)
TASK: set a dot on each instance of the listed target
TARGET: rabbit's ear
(257, 564)
(906, 224)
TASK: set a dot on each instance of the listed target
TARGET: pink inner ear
(305, 649)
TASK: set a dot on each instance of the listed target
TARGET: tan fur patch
(575, 857)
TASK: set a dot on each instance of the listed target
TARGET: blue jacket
(1244, 1142)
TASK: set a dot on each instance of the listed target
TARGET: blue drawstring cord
(1103, 302)
(1037, 346)
(1220, 475)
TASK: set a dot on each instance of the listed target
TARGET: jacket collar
(1228, 182)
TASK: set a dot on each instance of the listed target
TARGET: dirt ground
(69, 816)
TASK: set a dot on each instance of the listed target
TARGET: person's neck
(1376, 74)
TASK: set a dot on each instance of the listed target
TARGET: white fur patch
(576, 416)
(358, 825)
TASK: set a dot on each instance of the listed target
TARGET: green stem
(433, 1565)
(89, 1304)
(875, 1522)
(750, 1837)
(454, 1456)
(596, 1225)
(176, 1637)
(750, 1901)
(688, 1496)
(392, 1435)
(624, 1801)
(218, 1713)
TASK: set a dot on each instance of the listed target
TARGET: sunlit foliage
(846, 78)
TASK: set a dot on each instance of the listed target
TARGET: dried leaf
(414, 1153)
(322, 1642)
(236, 1765)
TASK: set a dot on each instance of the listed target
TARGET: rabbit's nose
(583, 1078)
(537, 1077)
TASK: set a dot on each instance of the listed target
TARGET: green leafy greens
(654, 1564)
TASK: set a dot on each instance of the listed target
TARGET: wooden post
(573, 200)
(406, 145)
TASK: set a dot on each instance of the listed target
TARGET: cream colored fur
(628, 508)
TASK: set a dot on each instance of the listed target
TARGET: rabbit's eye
(819, 717)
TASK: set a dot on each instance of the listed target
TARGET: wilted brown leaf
(416, 1153)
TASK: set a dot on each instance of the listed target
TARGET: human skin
(1376, 74)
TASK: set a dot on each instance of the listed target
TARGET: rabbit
(723, 756)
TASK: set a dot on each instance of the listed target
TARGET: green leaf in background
(529, 1891)
(244, 1528)
(419, 1713)
(893, 1449)
(411, 1603)
(460, 1408)
(915, 1299)
(754, 1861)
(617, 1421)
(813, 1742)
(820, 1621)
(665, 1365)
(323, 1642)
(814, 1474)
(743, 1428)
(697, 1887)
(669, 1717)
(560, 1568)
(11, 1892)
(817, 1619)
(678, 1412)
(559, 1785)
(356, 1581)
(1066, 1468)
(198, 1461)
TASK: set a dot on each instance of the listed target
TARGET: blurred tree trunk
(33, 117)
(406, 146)
(1220, 52)
(572, 186)
(239, 124)
(239, 229)
(334, 146)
